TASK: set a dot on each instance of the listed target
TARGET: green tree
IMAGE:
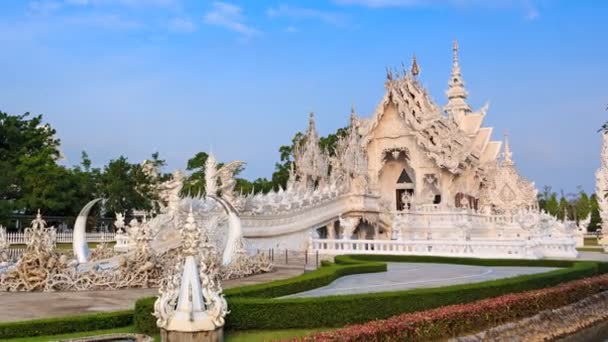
(544, 197)
(126, 186)
(29, 175)
(194, 185)
(552, 206)
(596, 220)
(583, 206)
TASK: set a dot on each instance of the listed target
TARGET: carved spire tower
(457, 105)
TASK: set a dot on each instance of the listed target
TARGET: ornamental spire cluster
(457, 105)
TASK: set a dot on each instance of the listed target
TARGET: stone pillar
(331, 231)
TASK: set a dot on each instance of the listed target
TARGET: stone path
(402, 276)
(18, 306)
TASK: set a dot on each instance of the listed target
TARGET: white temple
(413, 178)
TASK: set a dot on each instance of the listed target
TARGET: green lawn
(590, 249)
(231, 336)
(591, 241)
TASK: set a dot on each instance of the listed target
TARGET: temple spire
(507, 155)
(457, 94)
(311, 124)
(415, 70)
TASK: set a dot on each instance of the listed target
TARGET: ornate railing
(489, 249)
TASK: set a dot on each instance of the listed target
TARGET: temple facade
(412, 151)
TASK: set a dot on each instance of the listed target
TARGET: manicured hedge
(253, 307)
(325, 275)
(355, 258)
(64, 325)
(456, 320)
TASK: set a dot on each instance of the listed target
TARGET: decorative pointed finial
(389, 74)
(415, 69)
(311, 120)
(455, 50)
(353, 116)
(507, 156)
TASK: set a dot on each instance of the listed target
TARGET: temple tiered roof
(453, 137)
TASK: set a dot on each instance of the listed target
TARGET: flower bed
(455, 320)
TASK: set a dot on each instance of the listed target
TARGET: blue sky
(130, 77)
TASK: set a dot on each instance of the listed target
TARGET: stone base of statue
(193, 336)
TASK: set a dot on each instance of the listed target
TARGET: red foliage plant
(455, 320)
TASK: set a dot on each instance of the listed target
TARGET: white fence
(66, 237)
(515, 249)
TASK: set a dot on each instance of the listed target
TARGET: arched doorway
(397, 179)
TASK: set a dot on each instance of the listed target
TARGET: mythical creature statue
(170, 192)
(221, 180)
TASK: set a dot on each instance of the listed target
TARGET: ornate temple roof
(453, 137)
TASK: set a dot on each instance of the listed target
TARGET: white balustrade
(514, 249)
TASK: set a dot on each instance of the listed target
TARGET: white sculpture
(170, 192)
(4, 245)
(191, 299)
(225, 175)
(79, 243)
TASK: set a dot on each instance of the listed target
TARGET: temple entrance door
(400, 195)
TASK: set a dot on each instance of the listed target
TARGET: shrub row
(354, 258)
(64, 325)
(456, 320)
(253, 307)
(335, 311)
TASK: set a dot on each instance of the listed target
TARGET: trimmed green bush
(355, 258)
(325, 275)
(68, 324)
(143, 320)
(254, 307)
(335, 311)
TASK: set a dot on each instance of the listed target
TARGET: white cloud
(132, 3)
(43, 7)
(530, 10)
(105, 21)
(291, 29)
(229, 16)
(182, 25)
(299, 12)
(383, 3)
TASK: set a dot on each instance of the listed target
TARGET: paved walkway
(18, 306)
(402, 276)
